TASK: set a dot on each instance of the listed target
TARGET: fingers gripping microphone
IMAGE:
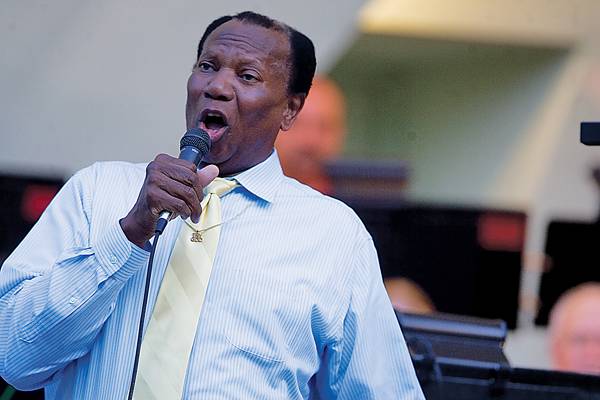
(194, 146)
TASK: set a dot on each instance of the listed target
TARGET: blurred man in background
(317, 136)
(574, 330)
(407, 296)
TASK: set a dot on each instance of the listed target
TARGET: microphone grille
(197, 138)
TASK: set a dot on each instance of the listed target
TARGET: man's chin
(225, 164)
(216, 156)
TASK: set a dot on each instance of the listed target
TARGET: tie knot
(220, 186)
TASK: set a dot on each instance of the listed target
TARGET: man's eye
(204, 66)
(249, 77)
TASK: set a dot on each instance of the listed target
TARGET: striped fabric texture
(295, 307)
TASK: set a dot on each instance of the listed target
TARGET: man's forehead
(249, 37)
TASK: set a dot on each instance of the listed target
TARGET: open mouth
(214, 122)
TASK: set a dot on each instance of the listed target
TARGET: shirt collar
(263, 179)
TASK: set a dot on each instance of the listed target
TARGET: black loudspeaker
(23, 198)
(467, 259)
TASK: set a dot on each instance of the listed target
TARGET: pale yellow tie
(170, 334)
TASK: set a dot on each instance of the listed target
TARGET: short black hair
(302, 58)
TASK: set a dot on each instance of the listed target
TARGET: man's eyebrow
(242, 60)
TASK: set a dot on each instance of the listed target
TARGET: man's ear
(294, 105)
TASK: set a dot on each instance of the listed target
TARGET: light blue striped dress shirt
(295, 308)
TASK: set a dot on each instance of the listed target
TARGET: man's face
(578, 346)
(238, 93)
(318, 134)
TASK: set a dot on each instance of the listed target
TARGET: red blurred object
(500, 232)
(35, 200)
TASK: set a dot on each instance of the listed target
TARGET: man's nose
(219, 86)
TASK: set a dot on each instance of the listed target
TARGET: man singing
(263, 289)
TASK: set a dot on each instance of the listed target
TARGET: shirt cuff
(117, 256)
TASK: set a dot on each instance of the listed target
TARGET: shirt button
(113, 259)
(73, 300)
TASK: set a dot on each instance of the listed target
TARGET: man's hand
(172, 185)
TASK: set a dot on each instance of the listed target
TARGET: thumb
(208, 174)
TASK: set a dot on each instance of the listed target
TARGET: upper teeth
(213, 115)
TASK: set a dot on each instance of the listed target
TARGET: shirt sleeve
(370, 359)
(57, 289)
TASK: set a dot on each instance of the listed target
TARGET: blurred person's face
(238, 93)
(406, 296)
(576, 346)
(317, 134)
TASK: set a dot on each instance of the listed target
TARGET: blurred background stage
(464, 113)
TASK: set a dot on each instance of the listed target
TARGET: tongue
(214, 129)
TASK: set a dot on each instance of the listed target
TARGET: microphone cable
(140, 335)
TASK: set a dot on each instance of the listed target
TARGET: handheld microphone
(193, 146)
